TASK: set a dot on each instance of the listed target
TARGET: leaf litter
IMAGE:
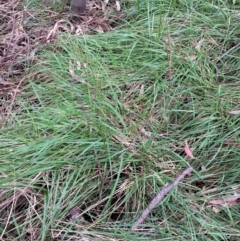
(24, 33)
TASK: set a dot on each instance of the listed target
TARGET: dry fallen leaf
(234, 112)
(123, 141)
(141, 92)
(224, 201)
(199, 44)
(210, 190)
(118, 7)
(99, 29)
(232, 143)
(212, 41)
(75, 77)
(191, 58)
(188, 151)
(71, 71)
(215, 210)
(79, 65)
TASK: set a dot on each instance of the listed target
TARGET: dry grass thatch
(25, 31)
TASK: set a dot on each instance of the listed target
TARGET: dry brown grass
(24, 32)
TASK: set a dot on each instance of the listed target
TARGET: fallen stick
(159, 197)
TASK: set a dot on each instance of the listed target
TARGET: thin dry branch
(160, 196)
(226, 53)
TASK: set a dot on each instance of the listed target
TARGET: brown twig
(160, 196)
(223, 56)
(226, 53)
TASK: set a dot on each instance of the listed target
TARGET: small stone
(78, 6)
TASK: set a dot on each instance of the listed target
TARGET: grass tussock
(100, 124)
